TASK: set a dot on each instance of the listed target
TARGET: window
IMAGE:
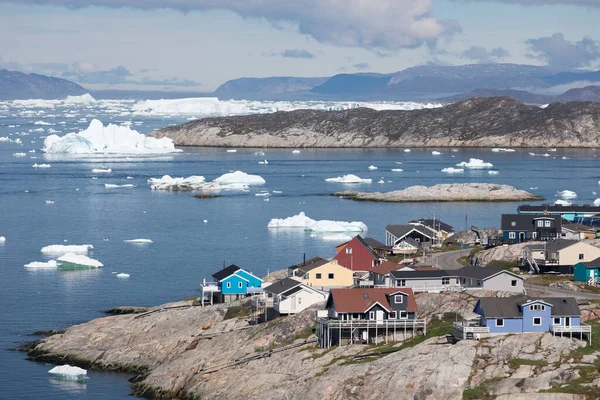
(348, 250)
(478, 283)
(330, 276)
(548, 224)
(306, 276)
(556, 321)
(538, 307)
(393, 315)
(537, 321)
(533, 235)
(540, 223)
(228, 285)
(513, 282)
(403, 315)
(418, 240)
(402, 282)
(398, 299)
(499, 322)
(240, 285)
(445, 281)
(355, 316)
(318, 276)
(581, 256)
(512, 235)
(513, 223)
(299, 300)
(371, 315)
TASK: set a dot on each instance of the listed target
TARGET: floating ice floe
(597, 203)
(112, 139)
(130, 177)
(52, 264)
(72, 260)
(239, 177)
(42, 123)
(381, 181)
(2, 239)
(262, 194)
(493, 172)
(259, 153)
(565, 158)
(263, 162)
(138, 241)
(562, 203)
(397, 170)
(122, 275)
(82, 99)
(64, 249)
(337, 238)
(68, 371)
(175, 184)
(41, 165)
(295, 151)
(552, 149)
(232, 151)
(407, 150)
(19, 154)
(49, 201)
(348, 179)
(436, 153)
(277, 191)
(566, 194)
(502, 150)
(114, 186)
(301, 221)
(475, 163)
(372, 167)
(102, 171)
(451, 170)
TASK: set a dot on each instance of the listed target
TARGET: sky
(199, 44)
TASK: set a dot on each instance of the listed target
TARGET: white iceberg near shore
(68, 371)
(114, 139)
(41, 165)
(114, 186)
(83, 99)
(79, 259)
(435, 153)
(475, 163)
(239, 177)
(102, 171)
(596, 203)
(451, 170)
(64, 249)
(566, 194)
(372, 167)
(562, 203)
(502, 150)
(350, 178)
(296, 151)
(122, 275)
(301, 221)
(341, 238)
(52, 264)
(138, 241)
(397, 170)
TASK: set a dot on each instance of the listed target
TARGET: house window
(537, 321)
(398, 298)
(540, 223)
(548, 224)
(513, 223)
(512, 235)
(402, 282)
(330, 276)
(355, 316)
(371, 315)
(240, 285)
(403, 315)
(418, 240)
(499, 322)
(513, 282)
(581, 256)
(348, 250)
(538, 307)
(445, 281)
(299, 300)
(318, 276)
(306, 276)
(393, 315)
(478, 283)
(556, 321)
(533, 235)
(228, 285)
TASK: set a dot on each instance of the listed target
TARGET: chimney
(304, 259)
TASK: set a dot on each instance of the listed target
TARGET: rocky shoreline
(455, 192)
(179, 350)
(477, 122)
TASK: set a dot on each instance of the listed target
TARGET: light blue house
(231, 283)
(522, 314)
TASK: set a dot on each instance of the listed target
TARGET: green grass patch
(580, 385)
(517, 362)
(579, 352)
(479, 392)
(241, 311)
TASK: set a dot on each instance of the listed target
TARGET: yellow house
(321, 273)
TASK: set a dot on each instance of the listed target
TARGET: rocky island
(477, 122)
(181, 351)
(445, 192)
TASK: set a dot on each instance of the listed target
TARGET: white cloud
(585, 3)
(561, 53)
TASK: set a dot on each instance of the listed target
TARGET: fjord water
(185, 248)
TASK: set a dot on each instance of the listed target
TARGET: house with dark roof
(558, 255)
(524, 314)
(442, 230)
(395, 235)
(588, 272)
(290, 296)
(320, 273)
(571, 213)
(368, 315)
(518, 228)
(380, 248)
(379, 276)
(358, 255)
(231, 283)
(577, 232)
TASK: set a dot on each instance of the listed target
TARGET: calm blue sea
(186, 249)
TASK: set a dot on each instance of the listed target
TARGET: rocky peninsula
(181, 351)
(477, 122)
(453, 192)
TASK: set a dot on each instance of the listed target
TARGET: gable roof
(282, 286)
(525, 222)
(482, 272)
(422, 274)
(367, 246)
(376, 244)
(225, 272)
(399, 231)
(385, 268)
(468, 272)
(578, 228)
(591, 264)
(508, 307)
(359, 300)
(559, 244)
(242, 271)
(436, 225)
(309, 264)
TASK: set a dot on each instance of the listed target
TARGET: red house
(357, 255)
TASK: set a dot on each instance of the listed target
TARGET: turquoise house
(233, 283)
(583, 271)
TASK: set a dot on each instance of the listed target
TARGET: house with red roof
(358, 255)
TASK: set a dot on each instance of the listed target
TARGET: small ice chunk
(348, 179)
(262, 194)
(2, 239)
(565, 158)
(493, 172)
(123, 275)
(552, 149)
(130, 177)
(436, 153)
(502, 150)
(68, 371)
(397, 170)
(239, 177)
(113, 186)
(101, 170)
(407, 150)
(566, 194)
(19, 154)
(265, 162)
(337, 238)
(205, 221)
(232, 151)
(277, 191)
(372, 167)
(381, 181)
(138, 241)
(475, 163)
(64, 249)
(452, 170)
(49, 201)
(42, 265)
(41, 165)
(259, 153)
(79, 259)
(295, 151)
(597, 203)
(562, 203)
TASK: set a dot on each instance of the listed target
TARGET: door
(293, 303)
(567, 321)
(379, 316)
(521, 237)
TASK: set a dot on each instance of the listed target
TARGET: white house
(291, 296)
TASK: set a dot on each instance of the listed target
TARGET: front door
(567, 321)
(379, 316)
(521, 237)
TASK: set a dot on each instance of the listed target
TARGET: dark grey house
(517, 228)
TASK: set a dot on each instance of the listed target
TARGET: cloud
(482, 54)
(558, 52)
(585, 3)
(361, 66)
(296, 53)
(376, 25)
(112, 76)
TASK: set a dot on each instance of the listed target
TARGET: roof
(481, 272)
(578, 228)
(559, 244)
(508, 307)
(524, 222)
(385, 268)
(309, 264)
(436, 224)
(367, 246)
(376, 244)
(592, 264)
(402, 230)
(360, 300)
(587, 208)
(421, 274)
(282, 286)
(225, 272)
(468, 272)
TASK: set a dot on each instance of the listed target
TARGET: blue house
(523, 314)
(231, 283)
(588, 272)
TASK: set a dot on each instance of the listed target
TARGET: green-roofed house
(588, 272)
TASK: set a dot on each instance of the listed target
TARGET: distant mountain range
(17, 86)
(588, 93)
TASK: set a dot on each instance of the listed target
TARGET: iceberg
(72, 260)
(262, 194)
(68, 371)
(83, 99)
(238, 177)
(397, 170)
(2, 240)
(114, 139)
(263, 162)
(49, 201)
(113, 186)
(566, 194)
(64, 249)
(178, 184)
(232, 151)
(562, 203)
(436, 153)
(372, 167)
(407, 150)
(597, 203)
(493, 172)
(475, 163)
(19, 154)
(451, 170)
(337, 238)
(101, 171)
(381, 181)
(42, 265)
(295, 151)
(138, 241)
(41, 165)
(502, 150)
(301, 221)
(122, 275)
(348, 179)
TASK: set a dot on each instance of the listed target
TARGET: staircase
(593, 281)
